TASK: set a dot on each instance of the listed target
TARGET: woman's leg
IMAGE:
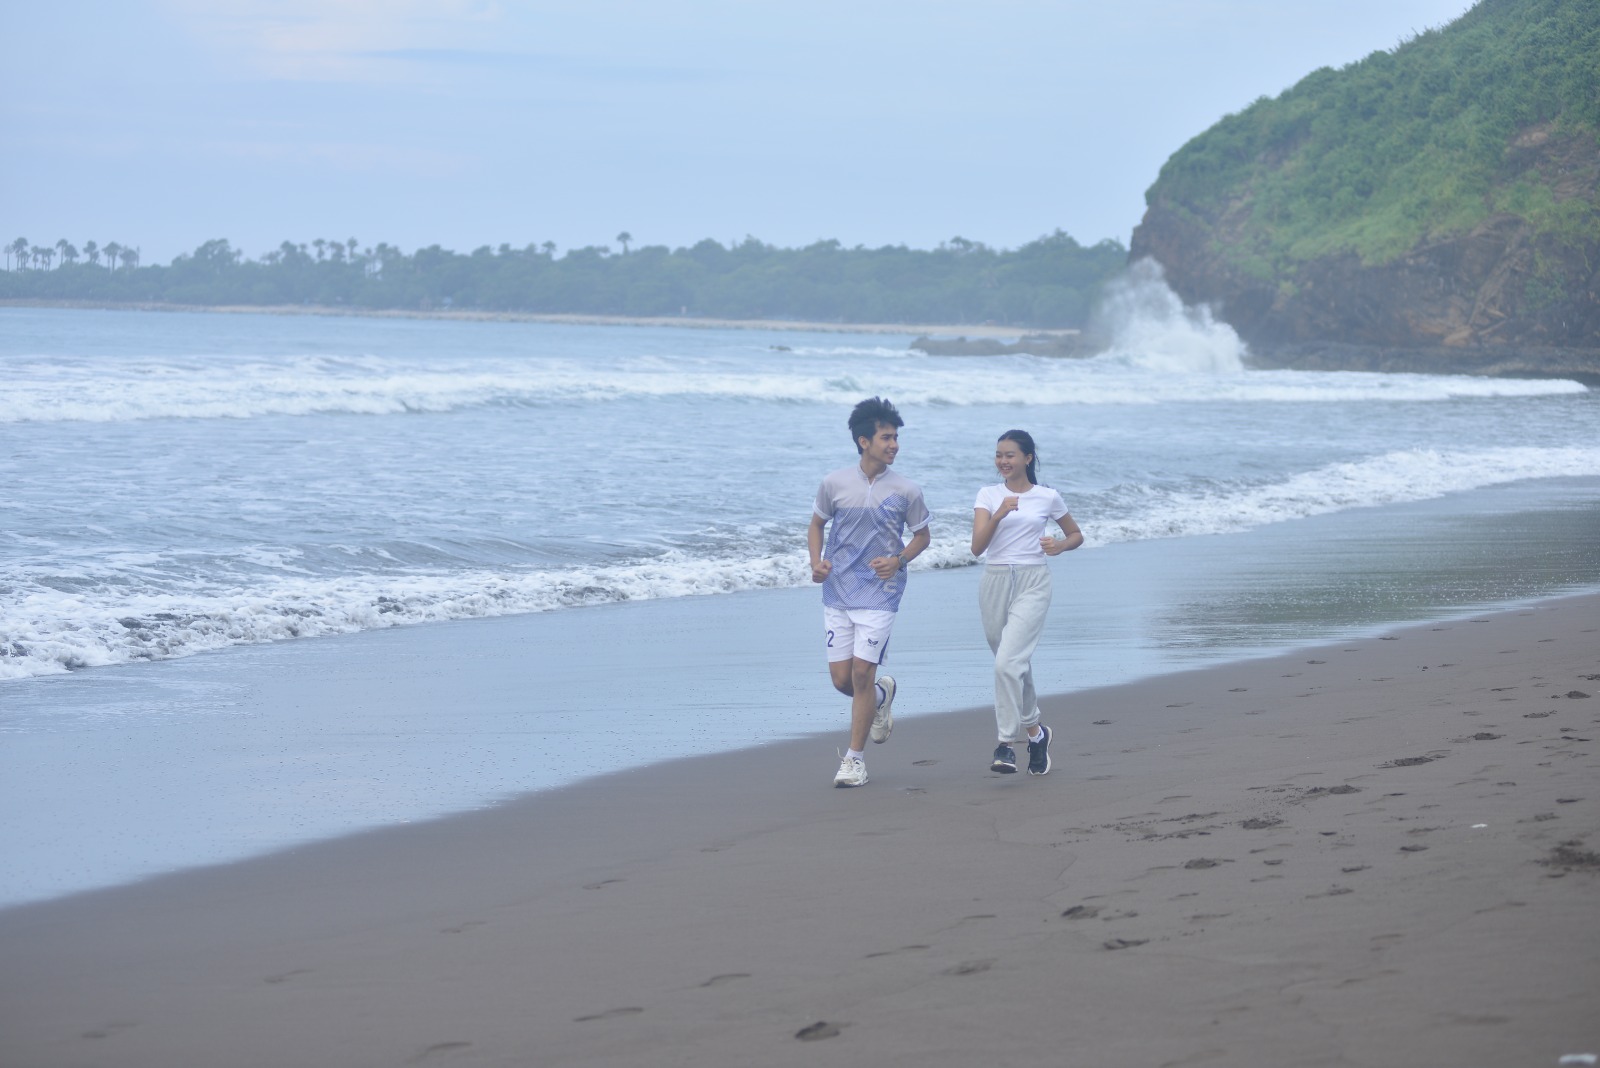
(1027, 610)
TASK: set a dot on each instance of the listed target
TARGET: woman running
(1009, 521)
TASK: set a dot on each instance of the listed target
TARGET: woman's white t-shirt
(1016, 540)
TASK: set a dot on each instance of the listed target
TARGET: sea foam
(48, 631)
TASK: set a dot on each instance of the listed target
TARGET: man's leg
(840, 672)
(863, 700)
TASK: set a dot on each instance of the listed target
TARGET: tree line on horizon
(1052, 281)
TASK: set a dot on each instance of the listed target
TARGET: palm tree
(623, 239)
(19, 249)
(129, 257)
(69, 253)
(112, 251)
(322, 248)
(549, 249)
(43, 255)
(92, 250)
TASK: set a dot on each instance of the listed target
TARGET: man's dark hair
(868, 416)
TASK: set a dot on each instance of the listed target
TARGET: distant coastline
(971, 330)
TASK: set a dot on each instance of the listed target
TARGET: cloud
(335, 40)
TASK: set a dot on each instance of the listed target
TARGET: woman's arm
(984, 524)
(1071, 538)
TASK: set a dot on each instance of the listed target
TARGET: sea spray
(1143, 323)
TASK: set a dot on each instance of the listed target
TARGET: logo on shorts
(872, 641)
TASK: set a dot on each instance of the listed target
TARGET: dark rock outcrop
(1499, 284)
(1066, 343)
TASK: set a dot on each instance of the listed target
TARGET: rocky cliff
(1444, 251)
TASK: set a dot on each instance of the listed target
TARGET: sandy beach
(1378, 852)
(972, 330)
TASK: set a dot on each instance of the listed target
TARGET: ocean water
(177, 483)
(247, 562)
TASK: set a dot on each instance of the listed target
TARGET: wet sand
(971, 330)
(1382, 851)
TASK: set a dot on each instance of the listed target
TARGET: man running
(863, 572)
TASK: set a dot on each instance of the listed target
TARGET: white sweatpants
(1014, 601)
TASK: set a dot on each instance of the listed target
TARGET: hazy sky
(164, 123)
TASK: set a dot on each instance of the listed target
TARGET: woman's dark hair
(1024, 441)
(868, 416)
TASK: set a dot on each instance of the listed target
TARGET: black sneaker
(1039, 754)
(1005, 760)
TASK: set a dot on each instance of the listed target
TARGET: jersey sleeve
(1058, 507)
(916, 511)
(822, 508)
(984, 501)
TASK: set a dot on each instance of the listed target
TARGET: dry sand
(1382, 852)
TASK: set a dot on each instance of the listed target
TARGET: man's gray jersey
(866, 519)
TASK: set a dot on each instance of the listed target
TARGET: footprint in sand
(1081, 912)
(1204, 862)
(626, 1010)
(286, 976)
(728, 977)
(1124, 943)
(969, 967)
(819, 1030)
(598, 885)
(923, 763)
(1239, 689)
(893, 952)
(107, 1030)
(437, 1048)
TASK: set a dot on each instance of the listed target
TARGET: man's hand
(820, 570)
(885, 566)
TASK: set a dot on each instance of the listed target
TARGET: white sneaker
(852, 772)
(883, 720)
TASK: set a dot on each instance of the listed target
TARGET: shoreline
(977, 330)
(126, 771)
(1379, 850)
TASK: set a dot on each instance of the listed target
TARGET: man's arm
(885, 566)
(819, 566)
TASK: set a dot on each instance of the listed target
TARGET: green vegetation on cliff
(1050, 282)
(1425, 141)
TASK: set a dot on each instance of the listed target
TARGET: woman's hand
(1006, 507)
(1053, 546)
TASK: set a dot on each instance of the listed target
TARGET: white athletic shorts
(862, 633)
